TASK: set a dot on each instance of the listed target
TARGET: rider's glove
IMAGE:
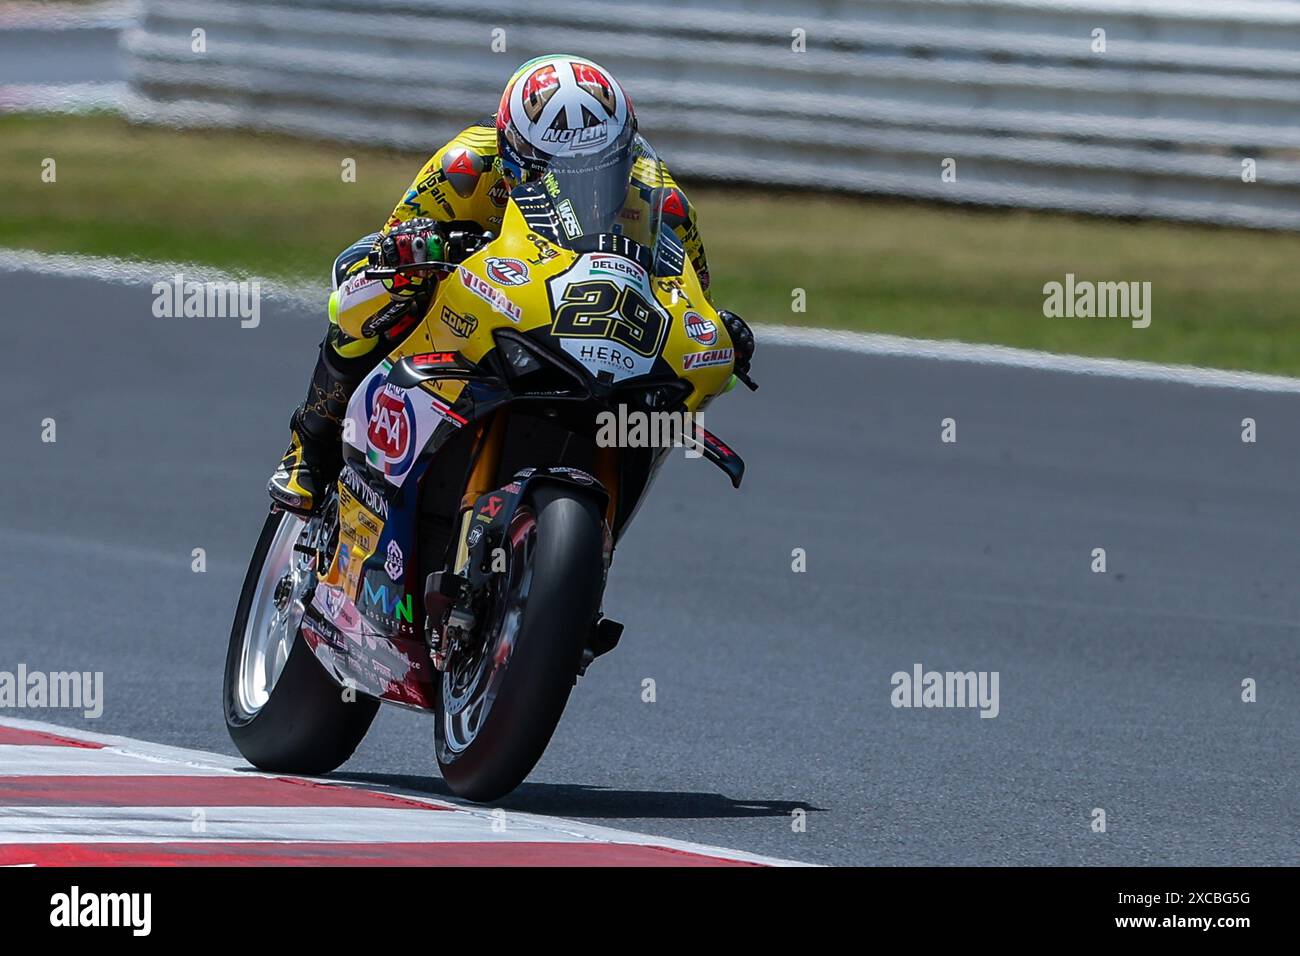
(742, 340)
(416, 240)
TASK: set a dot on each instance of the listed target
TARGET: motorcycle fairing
(718, 452)
(390, 423)
(611, 347)
(394, 670)
(362, 622)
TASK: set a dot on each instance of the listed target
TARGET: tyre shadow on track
(580, 800)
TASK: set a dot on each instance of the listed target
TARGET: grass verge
(1220, 297)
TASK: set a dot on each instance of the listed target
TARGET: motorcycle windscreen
(618, 200)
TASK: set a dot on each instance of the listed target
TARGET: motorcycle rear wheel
(497, 709)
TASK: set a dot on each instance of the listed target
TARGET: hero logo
(392, 421)
(603, 312)
(608, 356)
(506, 271)
(700, 329)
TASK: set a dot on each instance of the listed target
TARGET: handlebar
(387, 272)
(460, 244)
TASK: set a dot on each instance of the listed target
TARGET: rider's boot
(315, 454)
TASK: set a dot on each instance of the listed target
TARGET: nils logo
(506, 271)
(700, 329)
(391, 432)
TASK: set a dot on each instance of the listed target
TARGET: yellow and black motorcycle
(459, 565)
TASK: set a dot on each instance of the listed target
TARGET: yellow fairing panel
(520, 281)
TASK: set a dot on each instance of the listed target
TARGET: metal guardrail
(885, 90)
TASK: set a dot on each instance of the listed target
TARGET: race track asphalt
(1119, 690)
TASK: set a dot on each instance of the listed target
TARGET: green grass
(277, 206)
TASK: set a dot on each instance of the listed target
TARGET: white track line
(144, 272)
(870, 343)
(92, 824)
(130, 757)
(41, 761)
(60, 97)
(311, 297)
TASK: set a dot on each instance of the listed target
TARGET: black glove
(742, 340)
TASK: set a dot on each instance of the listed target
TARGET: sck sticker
(392, 422)
(700, 329)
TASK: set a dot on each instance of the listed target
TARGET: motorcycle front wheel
(283, 710)
(499, 706)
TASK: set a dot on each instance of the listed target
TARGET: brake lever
(388, 272)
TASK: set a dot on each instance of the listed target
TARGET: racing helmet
(562, 109)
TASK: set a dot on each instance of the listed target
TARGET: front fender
(493, 512)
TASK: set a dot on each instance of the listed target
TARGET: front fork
(442, 592)
(482, 479)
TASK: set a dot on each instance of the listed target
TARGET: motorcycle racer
(553, 107)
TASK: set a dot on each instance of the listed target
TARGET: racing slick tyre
(498, 707)
(283, 710)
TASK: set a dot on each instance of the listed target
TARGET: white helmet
(561, 107)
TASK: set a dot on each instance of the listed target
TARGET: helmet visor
(589, 191)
